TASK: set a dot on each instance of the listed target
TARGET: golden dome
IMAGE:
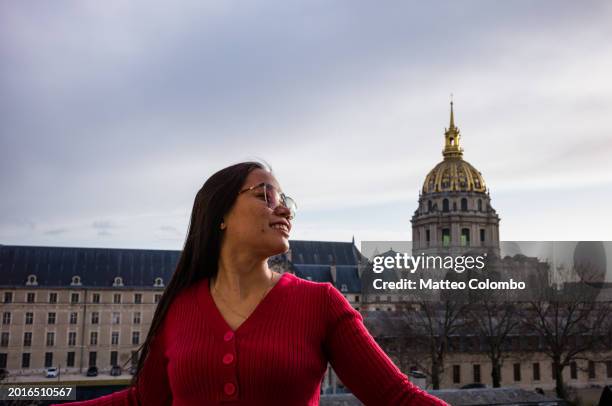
(453, 173)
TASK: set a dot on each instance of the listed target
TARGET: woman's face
(253, 226)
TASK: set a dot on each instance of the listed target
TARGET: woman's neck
(241, 275)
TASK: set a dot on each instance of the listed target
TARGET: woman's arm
(360, 362)
(152, 387)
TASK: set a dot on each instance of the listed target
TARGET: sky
(113, 114)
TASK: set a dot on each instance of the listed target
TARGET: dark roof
(324, 253)
(55, 266)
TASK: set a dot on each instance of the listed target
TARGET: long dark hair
(200, 255)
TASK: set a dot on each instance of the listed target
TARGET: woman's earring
(222, 227)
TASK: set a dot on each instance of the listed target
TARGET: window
(48, 359)
(517, 372)
(113, 358)
(52, 297)
(536, 371)
(8, 297)
(159, 283)
(343, 288)
(25, 360)
(95, 316)
(427, 236)
(464, 205)
(31, 280)
(3, 359)
(27, 339)
(482, 235)
(591, 369)
(573, 370)
(356, 298)
(117, 298)
(456, 373)
(93, 355)
(157, 298)
(137, 298)
(477, 373)
(50, 339)
(553, 371)
(465, 237)
(93, 338)
(70, 359)
(51, 318)
(479, 205)
(429, 206)
(29, 318)
(4, 339)
(72, 338)
(115, 338)
(118, 281)
(95, 298)
(609, 369)
(76, 281)
(136, 317)
(6, 318)
(74, 298)
(116, 318)
(73, 318)
(31, 297)
(445, 237)
(445, 207)
(135, 337)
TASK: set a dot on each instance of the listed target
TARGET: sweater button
(228, 336)
(228, 358)
(229, 388)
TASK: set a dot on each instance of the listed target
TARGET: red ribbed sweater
(278, 356)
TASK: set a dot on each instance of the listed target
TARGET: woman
(228, 329)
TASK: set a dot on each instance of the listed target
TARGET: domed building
(454, 214)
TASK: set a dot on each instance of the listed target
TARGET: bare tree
(571, 322)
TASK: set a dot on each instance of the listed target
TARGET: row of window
(73, 318)
(26, 358)
(464, 238)
(74, 298)
(32, 280)
(431, 206)
(72, 337)
(535, 371)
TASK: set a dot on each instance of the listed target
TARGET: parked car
(51, 372)
(92, 371)
(474, 386)
(132, 370)
(115, 370)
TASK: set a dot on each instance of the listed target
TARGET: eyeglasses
(274, 198)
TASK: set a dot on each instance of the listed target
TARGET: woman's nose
(282, 211)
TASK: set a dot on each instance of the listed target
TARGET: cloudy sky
(113, 114)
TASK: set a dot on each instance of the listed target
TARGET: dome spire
(452, 147)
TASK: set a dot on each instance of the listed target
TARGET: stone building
(454, 212)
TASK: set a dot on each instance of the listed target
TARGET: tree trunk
(559, 385)
(495, 374)
(435, 375)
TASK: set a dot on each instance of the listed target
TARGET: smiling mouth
(281, 227)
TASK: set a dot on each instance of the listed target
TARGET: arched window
(31, 280)
(159, 283)
(76, 281)
(479, 205)
(118, 281)
(445, 206)
(464, 204)
(429, 205)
